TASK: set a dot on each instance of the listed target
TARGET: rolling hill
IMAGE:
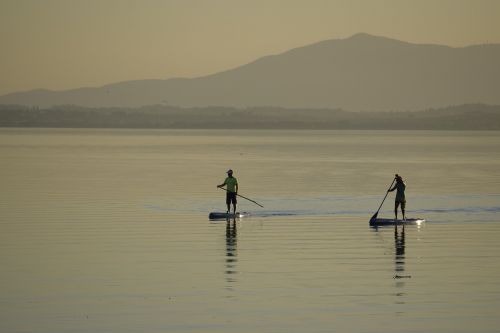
(360, 73)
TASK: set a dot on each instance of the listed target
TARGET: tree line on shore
(463, 117)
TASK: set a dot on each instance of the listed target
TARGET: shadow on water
(231, 252)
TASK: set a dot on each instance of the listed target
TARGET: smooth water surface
(108, 231)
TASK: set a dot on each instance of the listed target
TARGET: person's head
(229, 172)
(399, 178)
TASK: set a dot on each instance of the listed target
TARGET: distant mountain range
(360, 73)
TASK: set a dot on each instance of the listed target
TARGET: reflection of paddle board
(221, 215)
(379, 221)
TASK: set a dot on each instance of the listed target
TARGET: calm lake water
(108, 231)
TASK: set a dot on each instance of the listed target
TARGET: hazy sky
(64, 44)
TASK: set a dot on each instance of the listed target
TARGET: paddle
(376, 214)
(243, 197)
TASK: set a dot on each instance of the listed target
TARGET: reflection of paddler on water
(400, 196)
(399, 262)
(231, 184)
(231, 249)
(399, 247)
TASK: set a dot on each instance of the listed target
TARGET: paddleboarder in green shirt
(231, 190)
(400, 196)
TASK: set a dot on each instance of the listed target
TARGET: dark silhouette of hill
(360, 73)
(464, 117)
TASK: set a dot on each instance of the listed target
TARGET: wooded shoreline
(463, 117)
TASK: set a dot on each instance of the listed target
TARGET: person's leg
(234, 203)
(396, 205)
(403, 206)
(228, 202)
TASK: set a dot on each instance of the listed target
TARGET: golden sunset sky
(65, 44)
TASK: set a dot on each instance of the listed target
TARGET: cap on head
(229, 172)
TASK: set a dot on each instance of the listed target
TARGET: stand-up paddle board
(223, 216)
(380, 221)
